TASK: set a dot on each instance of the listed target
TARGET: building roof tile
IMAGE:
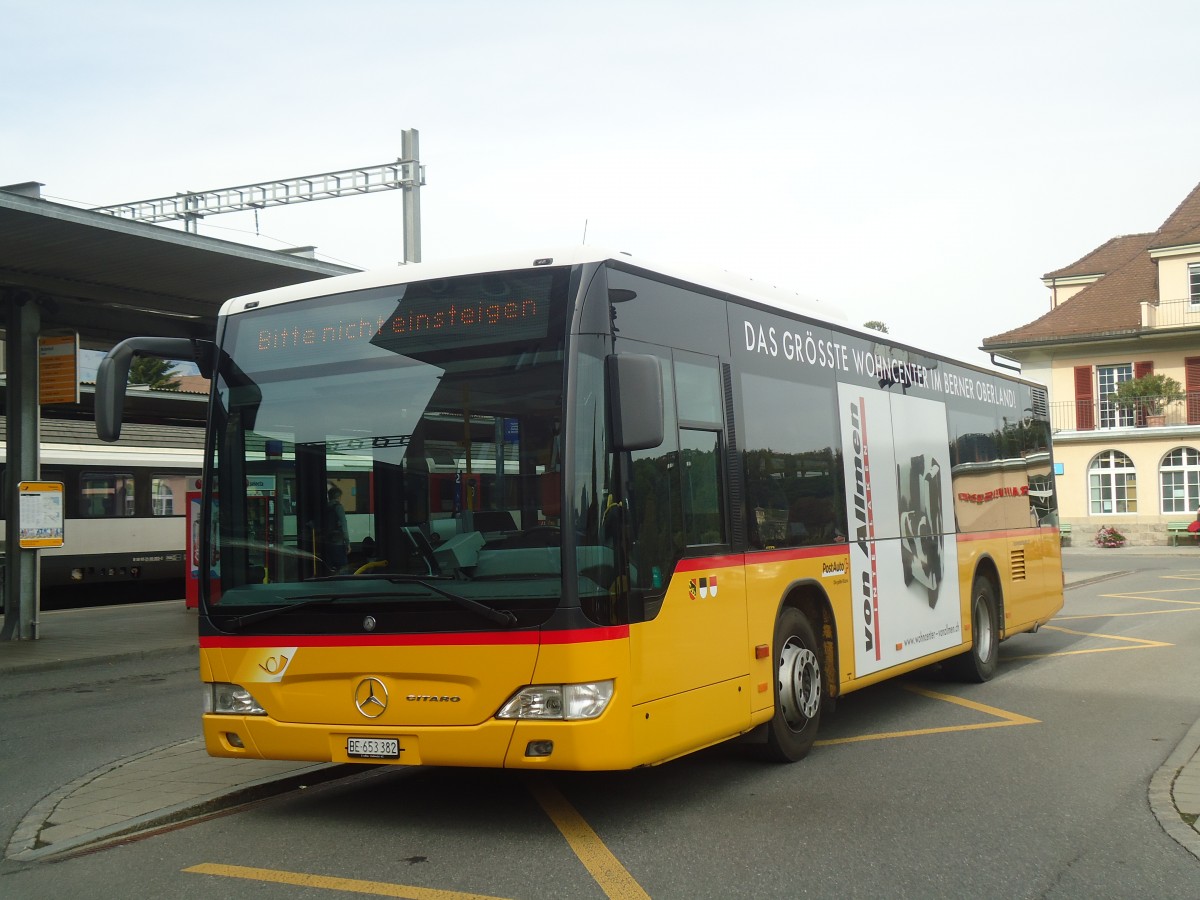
(1106, 257)
(1112, 304)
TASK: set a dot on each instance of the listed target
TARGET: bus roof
(712, 278)
(708, 277)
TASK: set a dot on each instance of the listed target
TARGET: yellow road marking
(602, 865)
(613, 878)
(1137, 643)
(1145, 596)
(1011, 717)
(331, 883)
(1141, 641)
(1004, 717)
(1124, 615)
(1152, 596)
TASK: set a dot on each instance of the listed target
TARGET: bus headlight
(569, 702)
(227, 699)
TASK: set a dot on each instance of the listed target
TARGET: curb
(23, 846)
(49, 665)
(1096, 579)
(1162, 800)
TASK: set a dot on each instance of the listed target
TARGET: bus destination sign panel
(424, 318)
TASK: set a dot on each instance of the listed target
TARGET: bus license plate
(373, 748)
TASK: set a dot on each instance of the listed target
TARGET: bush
(1151, 393)
(1108, 536)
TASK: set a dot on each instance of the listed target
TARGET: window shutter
(1191, 369)
(1141, 369)
(1085, 408)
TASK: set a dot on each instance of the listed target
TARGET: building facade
(1126, 310)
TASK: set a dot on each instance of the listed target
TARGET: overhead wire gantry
(406, 174)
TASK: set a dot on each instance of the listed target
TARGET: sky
(922, 163)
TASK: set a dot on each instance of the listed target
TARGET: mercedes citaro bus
(595, 514)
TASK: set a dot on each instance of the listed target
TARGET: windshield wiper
(499, 616)
(237, 623)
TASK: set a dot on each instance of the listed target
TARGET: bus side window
(701, 422)
(789, 446)
(700, 471)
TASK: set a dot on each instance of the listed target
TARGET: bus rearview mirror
(635, 391)
(113, 373)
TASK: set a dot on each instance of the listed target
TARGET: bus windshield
(396, 447)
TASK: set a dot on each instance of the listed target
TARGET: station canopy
(110, 278)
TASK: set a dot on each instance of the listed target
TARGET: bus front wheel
(979, 663)
(799, 688)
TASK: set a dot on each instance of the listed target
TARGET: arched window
(1179, 478)
(1112, 483)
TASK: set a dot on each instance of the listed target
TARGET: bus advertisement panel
(896, 447)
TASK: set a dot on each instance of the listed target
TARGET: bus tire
(799, 688)
(979, 663)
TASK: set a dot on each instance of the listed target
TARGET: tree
(157, 373)
(876, 325)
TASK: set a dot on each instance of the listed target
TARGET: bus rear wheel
(799, 688)
(979, 663)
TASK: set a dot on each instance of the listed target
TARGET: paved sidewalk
(151, 789)
(69, 637)
(172, 783)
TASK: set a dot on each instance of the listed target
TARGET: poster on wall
(899, 504)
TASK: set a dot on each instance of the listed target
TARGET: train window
(167, 493)
(106, 495)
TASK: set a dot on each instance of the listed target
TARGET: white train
(124, 505)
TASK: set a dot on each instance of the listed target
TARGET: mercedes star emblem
(371, 697)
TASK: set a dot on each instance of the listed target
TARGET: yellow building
(1129, 308)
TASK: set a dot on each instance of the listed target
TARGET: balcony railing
(1103, 415)
(1170, 313)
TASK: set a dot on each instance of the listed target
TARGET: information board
(41, 512)
(58, 367)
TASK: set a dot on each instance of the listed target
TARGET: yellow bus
(579, 512)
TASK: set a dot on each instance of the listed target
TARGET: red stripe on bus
(586, 635)
(476, 638)
(700, 563)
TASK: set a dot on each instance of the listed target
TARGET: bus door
(691, 592)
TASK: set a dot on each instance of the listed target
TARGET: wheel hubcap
(983, 630)
(799, 684)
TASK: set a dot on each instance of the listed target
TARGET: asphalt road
(1033, 785)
